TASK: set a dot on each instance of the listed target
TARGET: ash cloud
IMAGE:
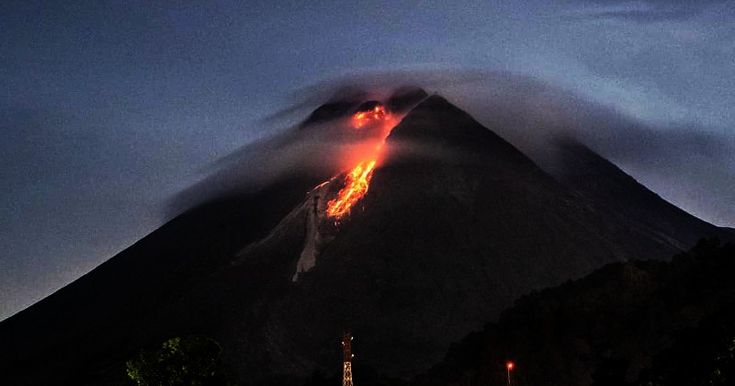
(646, 11)
(687, 165)
(322, 144)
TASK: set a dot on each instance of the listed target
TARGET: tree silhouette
(191, 361)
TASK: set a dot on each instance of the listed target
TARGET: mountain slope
(100, 318)
(613, 194)
(456, 225)
(442, 244)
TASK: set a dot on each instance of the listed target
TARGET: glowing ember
(362, 118)
(357, 181)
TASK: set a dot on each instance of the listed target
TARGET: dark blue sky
(109, 108)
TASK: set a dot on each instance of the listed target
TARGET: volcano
(457, 223)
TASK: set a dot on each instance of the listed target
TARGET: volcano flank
(457, 223)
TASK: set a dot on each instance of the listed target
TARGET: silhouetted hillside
(636, 323)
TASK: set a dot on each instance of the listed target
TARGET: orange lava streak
(361, 118)
(358, 181)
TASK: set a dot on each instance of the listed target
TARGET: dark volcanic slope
(99, 319)
(457, 224)
(616, 196)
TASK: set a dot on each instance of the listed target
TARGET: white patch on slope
(316, 206)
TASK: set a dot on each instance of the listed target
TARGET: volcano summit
(451, 224)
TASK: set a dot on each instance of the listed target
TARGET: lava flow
(362, 118)
(357, 181)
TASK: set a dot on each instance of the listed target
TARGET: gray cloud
(645, 11)
(689, 165)
(528, 112)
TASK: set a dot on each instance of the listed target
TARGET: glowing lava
(362, 118)
(357, 181)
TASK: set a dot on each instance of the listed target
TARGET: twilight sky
(109, 108)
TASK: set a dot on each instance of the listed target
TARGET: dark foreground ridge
(638, 323)
(457, 224)
(635, 323)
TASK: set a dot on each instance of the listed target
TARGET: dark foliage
(704, 355)
(190, 361)
(636, 323)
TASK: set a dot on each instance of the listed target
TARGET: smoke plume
(686, 165)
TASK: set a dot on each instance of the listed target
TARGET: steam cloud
(686, 165)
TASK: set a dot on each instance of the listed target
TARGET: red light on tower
(509, 367)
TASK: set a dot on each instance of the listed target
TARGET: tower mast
(347, 359)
